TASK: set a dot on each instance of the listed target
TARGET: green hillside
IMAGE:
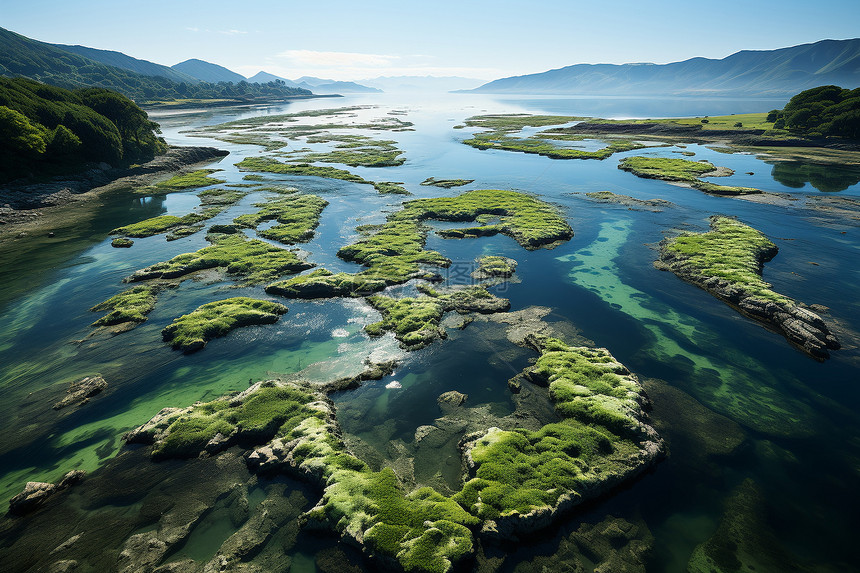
(46, 130)
(22, 56)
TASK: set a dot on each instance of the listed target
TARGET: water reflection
(827, 178)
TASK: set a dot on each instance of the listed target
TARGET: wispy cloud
(232, 32)
(316, 59)
(192, 29)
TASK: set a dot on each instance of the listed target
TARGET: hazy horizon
(343, 42)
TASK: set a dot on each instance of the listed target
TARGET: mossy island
(727, 262)
(684, 171)
(517, 481)
(191, 332)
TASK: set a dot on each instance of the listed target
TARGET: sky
(354, 40)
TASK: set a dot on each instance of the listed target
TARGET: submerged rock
(35, 493)
(81, 391)
(451, 399)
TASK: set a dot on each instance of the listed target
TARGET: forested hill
(769, 73)
(120, 60)
(22, 56)
(46, 130)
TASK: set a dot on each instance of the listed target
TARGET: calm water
(802, 437)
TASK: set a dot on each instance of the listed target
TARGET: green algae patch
(729, 190)
(446, 183)
(121, 243)
(390, 188)
(415, 320)
(494, 266)
(529, 221)
(295, 430)
(519, 479)
(251, 260)
(537, 146)
(192, 331)
(129, 307)
(393, 253)
(684, 171)
(272, 165)
(667, 169)
(322, 283)
(254, 416)
(160, 224)
(355, 151)
(218, 196)
(199, 178)
(727, 262)
(518, 121)
(297, 217)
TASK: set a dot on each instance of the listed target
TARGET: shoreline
(43, 207)
(158, 109)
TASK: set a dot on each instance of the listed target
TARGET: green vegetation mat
(415, 320)
(130, 306)
(297, 217)
(191, 332)
(199, 178)
(683, 170)
(251, 260)
(732, 251)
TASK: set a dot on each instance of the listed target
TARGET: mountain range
(765, 73)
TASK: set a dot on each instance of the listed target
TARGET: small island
(727, 262)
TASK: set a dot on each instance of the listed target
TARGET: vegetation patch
(251, 260)
(129, 307)
(222, 197)
(516, 122)
(825, 111)
(446, 183)
(192, 331)
(354, 150)
(322, 283)
(199, 178)
(163, 223)
(272, 165)
(422, 530)
(415, 320)
(602, 438)
(528, 220)
(297, 217)
(727, 262)
(493, 266)
(545, 148)
(121, 243)
(683, 170)
(390, 188)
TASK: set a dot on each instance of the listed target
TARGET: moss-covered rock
(493, 267)
(297, 217)
(129, 307)
(415, 320)
(192, 331)
(684, 171)
(199, 178)
(528, 220)
(446, 183)
(727, 262)
(519, 480)
(121, 243)
(251, 260)
(653, 205)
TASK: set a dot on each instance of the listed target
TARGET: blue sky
(352, 40)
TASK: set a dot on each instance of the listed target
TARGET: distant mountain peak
(763, 73)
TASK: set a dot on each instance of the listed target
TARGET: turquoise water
(802, 439)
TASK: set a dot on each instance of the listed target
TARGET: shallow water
(802, 437)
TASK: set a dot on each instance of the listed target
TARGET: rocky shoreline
(24, 201)
(805, 329)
